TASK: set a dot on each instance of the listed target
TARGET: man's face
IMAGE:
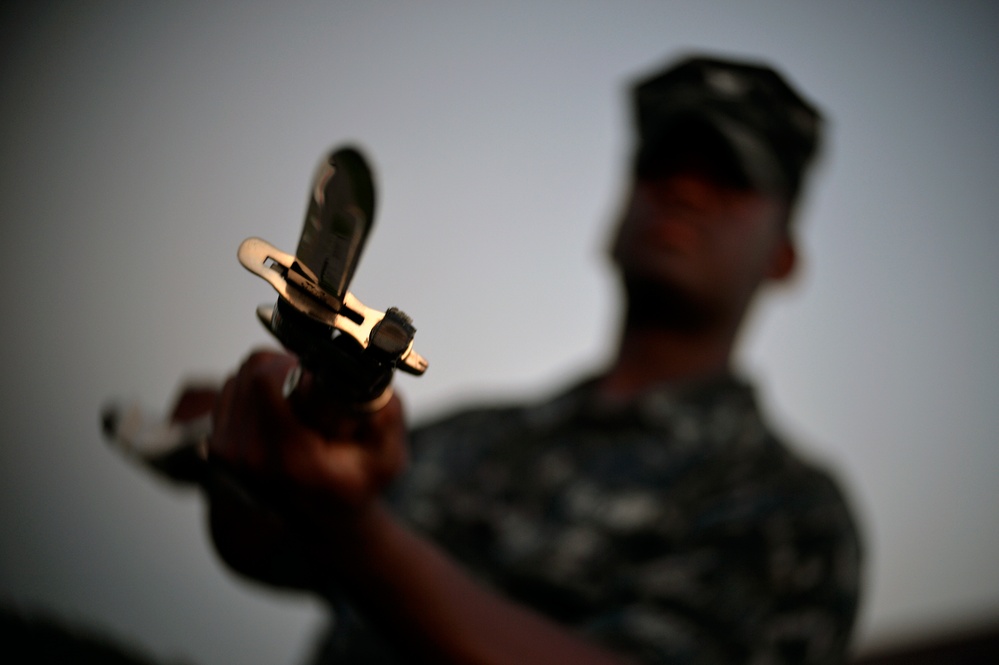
(711, 242)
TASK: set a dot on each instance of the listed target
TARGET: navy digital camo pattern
(675, 528)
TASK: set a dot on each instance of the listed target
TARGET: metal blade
(339, 217)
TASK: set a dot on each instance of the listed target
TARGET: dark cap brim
(737, 149)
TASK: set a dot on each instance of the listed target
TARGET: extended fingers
(307, 444)
(195, 400)
(370, 450)
(251, 417)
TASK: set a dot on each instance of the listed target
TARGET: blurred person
(647, 513)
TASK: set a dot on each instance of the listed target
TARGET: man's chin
(659, 303)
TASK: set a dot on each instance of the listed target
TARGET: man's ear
(784, 260)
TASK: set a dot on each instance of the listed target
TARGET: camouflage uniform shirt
(675, 528)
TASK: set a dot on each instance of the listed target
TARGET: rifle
(350, 350)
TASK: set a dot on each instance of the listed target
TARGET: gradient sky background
(143, 141)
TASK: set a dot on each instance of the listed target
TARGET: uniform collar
(718, 408)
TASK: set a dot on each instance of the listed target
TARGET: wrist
(348, 544)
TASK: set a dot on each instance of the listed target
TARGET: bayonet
(351, 350)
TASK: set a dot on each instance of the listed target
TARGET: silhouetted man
(648, 512)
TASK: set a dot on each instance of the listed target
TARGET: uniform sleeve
(763, 572)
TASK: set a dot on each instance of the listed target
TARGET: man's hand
(330, 455)
(293, 474)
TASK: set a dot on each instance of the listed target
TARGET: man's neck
(649, 356)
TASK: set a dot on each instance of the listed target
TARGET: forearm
(414, 591)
